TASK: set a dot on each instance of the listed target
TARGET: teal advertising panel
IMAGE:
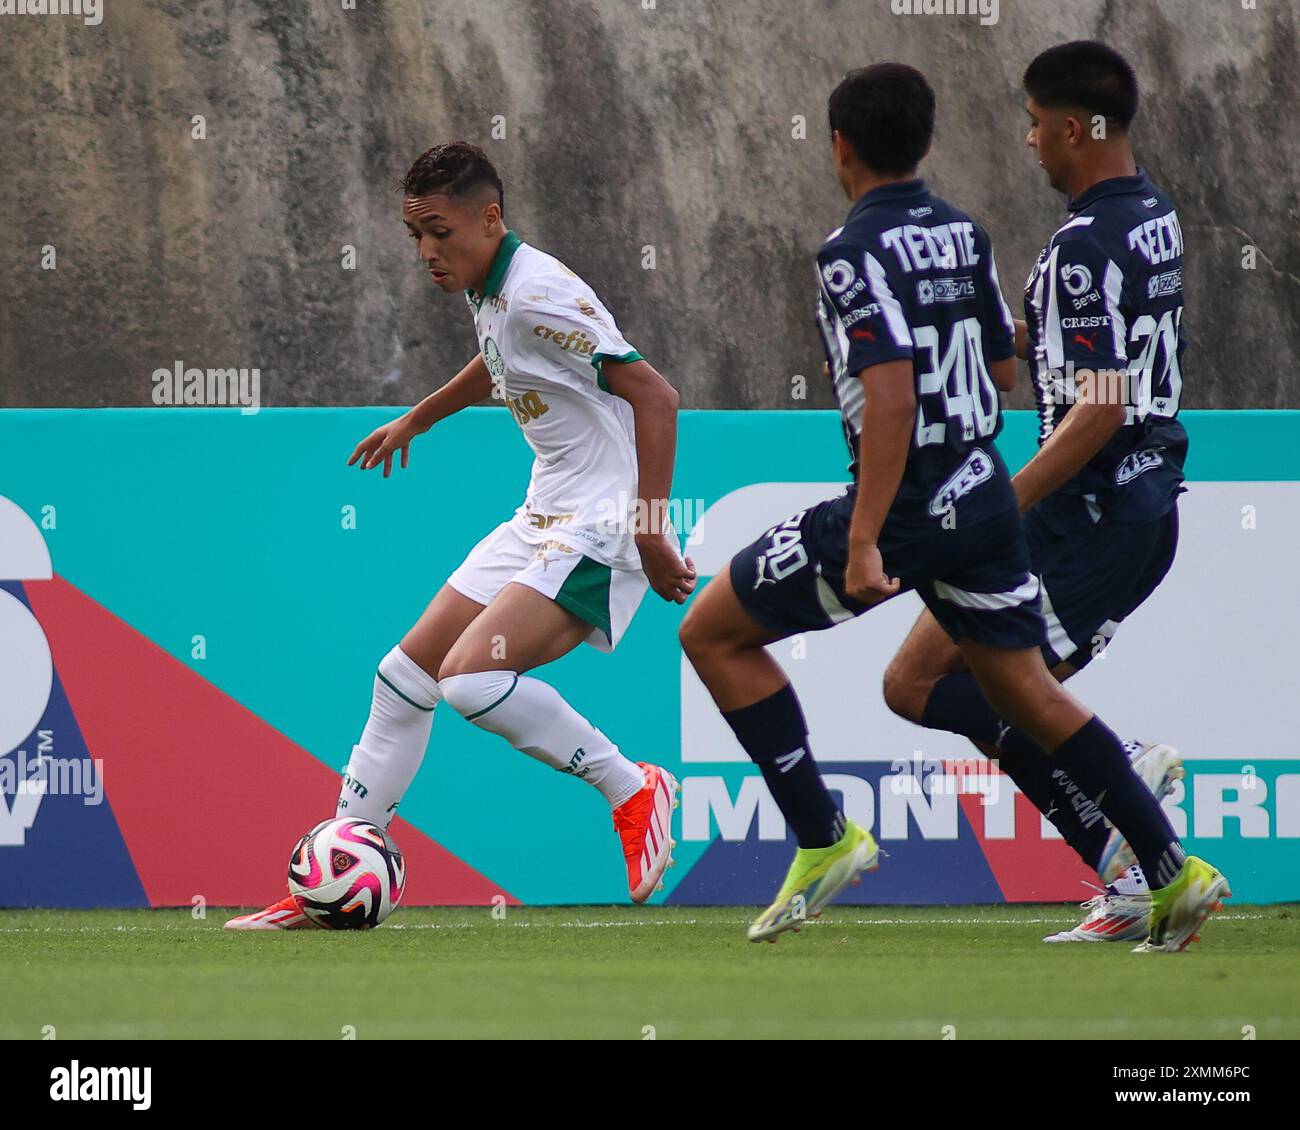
(193, 603)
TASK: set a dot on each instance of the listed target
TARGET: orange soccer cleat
(644, 823)
(282, 915)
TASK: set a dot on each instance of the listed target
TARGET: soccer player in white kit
(574, 561)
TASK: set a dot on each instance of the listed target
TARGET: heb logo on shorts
(978, 468)
(1136, 463)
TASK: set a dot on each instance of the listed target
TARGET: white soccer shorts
(606, 598)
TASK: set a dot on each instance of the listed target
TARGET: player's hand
(864, 579)
(381, 444)
(669, 575)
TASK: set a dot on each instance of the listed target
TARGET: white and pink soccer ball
(347, 874)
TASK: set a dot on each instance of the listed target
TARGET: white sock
(384, 762)
(534, 718)
(1132, 882)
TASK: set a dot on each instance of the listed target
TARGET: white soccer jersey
(544, 336)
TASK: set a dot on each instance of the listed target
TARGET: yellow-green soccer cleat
(1179, 910)
(815, 877)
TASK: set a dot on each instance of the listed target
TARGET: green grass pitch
(624, 973)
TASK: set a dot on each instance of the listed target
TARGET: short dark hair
(886, 112)
(454, 168)
(1086, 74)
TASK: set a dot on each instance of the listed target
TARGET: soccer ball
(347, 874)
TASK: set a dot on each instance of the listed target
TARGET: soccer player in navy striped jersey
(1104, 336)
(918, 341)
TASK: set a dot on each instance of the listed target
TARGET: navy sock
(775, 736)
(1093, 769)
(958, 705)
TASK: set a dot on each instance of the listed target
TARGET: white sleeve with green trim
(560, 331)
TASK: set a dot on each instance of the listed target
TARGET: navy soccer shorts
(975, 578)
(1094, 572)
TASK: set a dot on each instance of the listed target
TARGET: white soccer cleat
(1120, 913)
(1159, 766)
(282, 915)
(645, 825)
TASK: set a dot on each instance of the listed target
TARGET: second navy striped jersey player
(1106, 295)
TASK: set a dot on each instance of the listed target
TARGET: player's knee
(475, 692)
(905, 691)
(694, 633)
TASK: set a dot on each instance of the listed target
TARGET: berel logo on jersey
(1077, 279)
(838, 276)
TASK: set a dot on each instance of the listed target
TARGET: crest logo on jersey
(1077, 279)
(868, 310)
(838, 276)
(492, 358)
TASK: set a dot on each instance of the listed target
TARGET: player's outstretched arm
(654, 408)
(1084, 431)
(882, 457)
(472, 384)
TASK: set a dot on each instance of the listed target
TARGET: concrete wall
(671, 128)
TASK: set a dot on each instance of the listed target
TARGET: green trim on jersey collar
(500, 265)
(598, 363)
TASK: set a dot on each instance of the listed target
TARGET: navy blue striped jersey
(910, 276)
(1106, 295)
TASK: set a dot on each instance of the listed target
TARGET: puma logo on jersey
(1089, 341)
(575, 340)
